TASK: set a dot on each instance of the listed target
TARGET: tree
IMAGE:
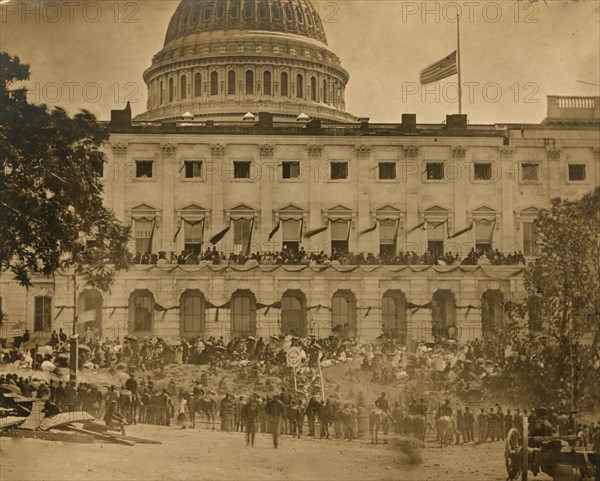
(50, 191)
(563, 304)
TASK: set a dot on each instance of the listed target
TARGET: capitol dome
(292, 16)
(224, 58)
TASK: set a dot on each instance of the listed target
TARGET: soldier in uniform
(508, 422)
(275, 411)
(482, 426)
(469, 422)
(250, 413)
(291, 413)
(492, 424)
(312, 411)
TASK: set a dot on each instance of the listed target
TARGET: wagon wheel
(512, 453)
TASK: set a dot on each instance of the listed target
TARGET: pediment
(144, 208)
(193, 208)
(242, 208)
(291, 208)
(340, 208)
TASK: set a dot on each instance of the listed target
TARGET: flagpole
(458, 62)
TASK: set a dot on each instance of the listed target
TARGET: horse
(378, 419)
(416, 425)
(128, 405)
(445, 430)
(345, 416)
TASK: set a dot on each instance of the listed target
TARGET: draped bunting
(217, 238)
(416, 227)
(159, 308)
(438, 224)
(461, 232)
(192, 223)
(370, 229)
(487, 270)
(314, 232)
(274, 231)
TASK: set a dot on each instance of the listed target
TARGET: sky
(91, 53)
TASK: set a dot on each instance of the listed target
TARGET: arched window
(42, 315)
(198, 85)
(313, 88)
(214, 83)
(249, 9)
(325, 97)
(343, 312)
(443, 313)
(192, 313)
(243, 314)
(161, 93)
(231, 82)
(267, 88)
(300, 86)
(492, 315)
(89, 304)
(234, 9)
(171, 90)
(393, 315)
(284, 85)
(249, 82)
(221, 10)
(141, 311)
(183, 88)
(293, 313)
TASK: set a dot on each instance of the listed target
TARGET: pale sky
(515, 53)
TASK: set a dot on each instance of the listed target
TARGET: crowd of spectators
(482, 256)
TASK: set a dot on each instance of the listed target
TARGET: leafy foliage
(50, 191)
(557, 329)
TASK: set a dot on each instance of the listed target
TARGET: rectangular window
(241, 235)
(436, 233)
(530, 247)
(483, 171)
(387, 170)
(194, 232)
(291, 235)
(339, 170)
(241, 170)
(43, 313)
(144, 229)
(290, 170)
(435, 170)
(530, 172)
(143, 169)
(388, 230)
(193, 169)
(340, 230)
(577, 172)
(484, 235)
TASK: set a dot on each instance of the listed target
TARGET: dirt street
(206, 455)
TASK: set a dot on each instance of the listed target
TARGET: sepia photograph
(300, 240)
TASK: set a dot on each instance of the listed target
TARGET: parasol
(250, 338)
(84, 347)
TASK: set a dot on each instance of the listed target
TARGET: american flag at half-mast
(440, 70)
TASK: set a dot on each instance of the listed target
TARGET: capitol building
(246, 142)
